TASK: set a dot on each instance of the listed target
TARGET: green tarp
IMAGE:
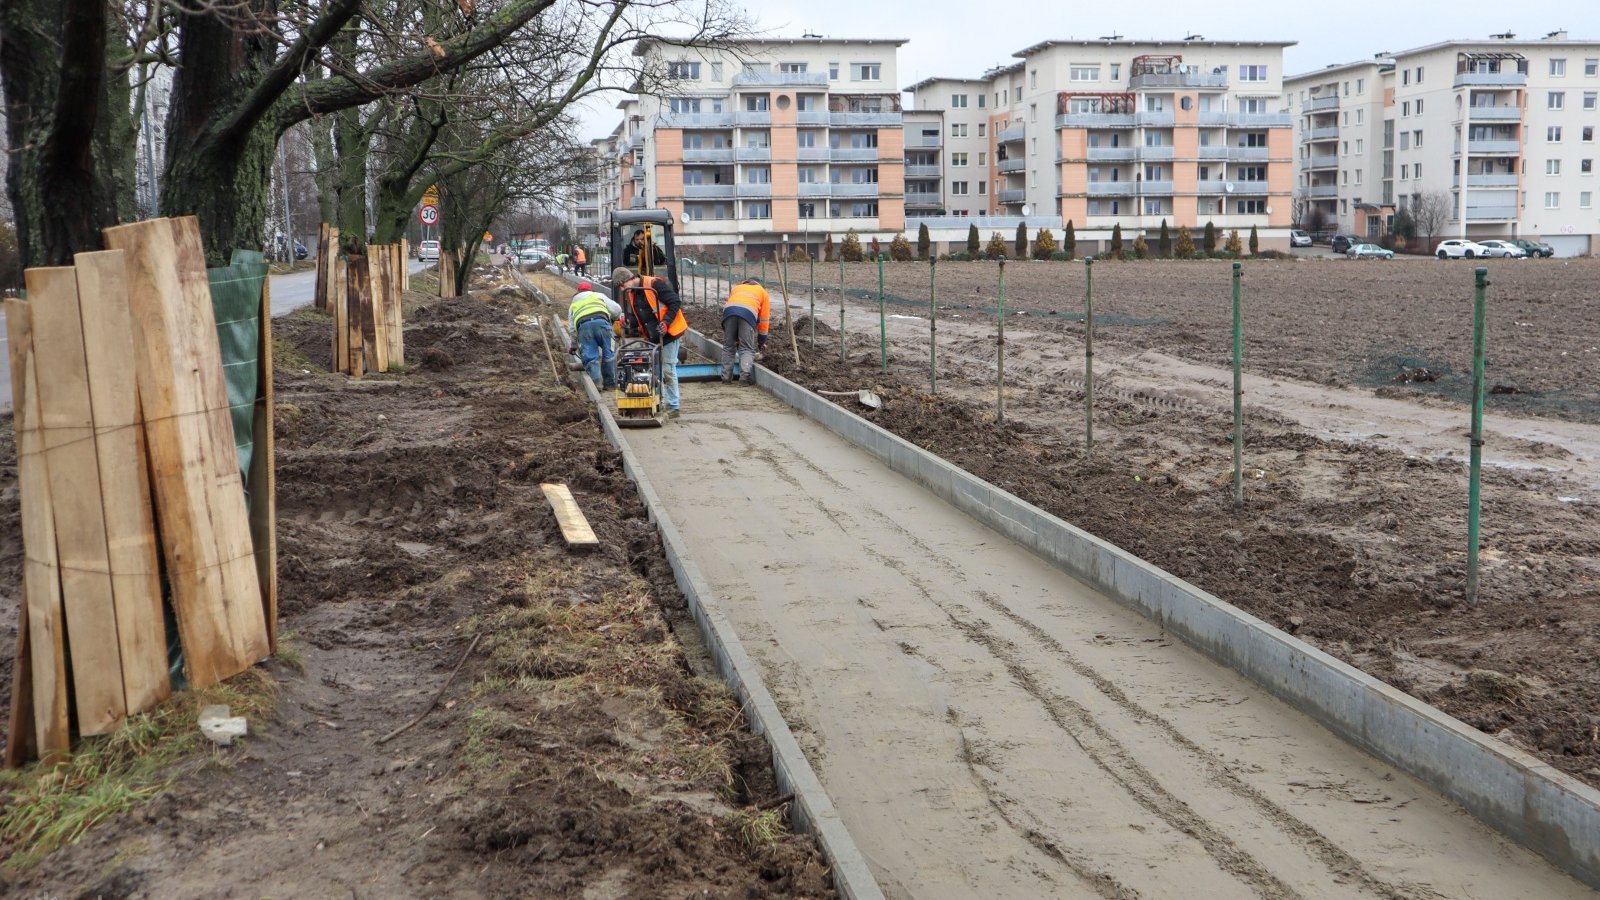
(236, 298)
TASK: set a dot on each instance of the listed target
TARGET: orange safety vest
(643, 305)
(582, 256)
(754, 298)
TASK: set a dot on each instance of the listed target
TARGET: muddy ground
(1353, 545)
(582, 750)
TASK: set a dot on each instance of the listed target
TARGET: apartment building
(780, 139)
(585, 200)
(1114, 132)
(1504, 128)
(1344, 147)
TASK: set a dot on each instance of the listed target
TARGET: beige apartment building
(1503, 128)
(791, 139)
(1112, 132)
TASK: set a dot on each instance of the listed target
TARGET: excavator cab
(656, 226)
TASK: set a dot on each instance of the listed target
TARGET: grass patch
(756, 831)
(47, 807)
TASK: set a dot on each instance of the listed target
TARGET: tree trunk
(353, 144)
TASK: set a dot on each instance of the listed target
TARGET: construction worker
(746, 318)
(630, 256)
(654, 311)
(591, 316)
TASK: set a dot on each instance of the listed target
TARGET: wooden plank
(396, 314)
(575, 528)
(405, 264)
(264, 479)
(67, 420)
(375, 309)
(357, 285)
(199, 493)
(124, 477)
(341, 324)
(447, 273)
(21, 741)
(320, 297)
(41, 576)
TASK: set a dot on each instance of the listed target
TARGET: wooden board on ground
(357, 286)
(67, 421)
(264, 479)
(124, 477)
(21, 742)
(199, 493)
(41, 576)
(575, 528)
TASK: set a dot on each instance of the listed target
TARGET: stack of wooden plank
(368, 326)
(122, 422)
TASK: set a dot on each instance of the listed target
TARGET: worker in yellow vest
(591, 316)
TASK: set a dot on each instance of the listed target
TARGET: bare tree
(1430, 212)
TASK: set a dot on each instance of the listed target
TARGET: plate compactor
(639, 385)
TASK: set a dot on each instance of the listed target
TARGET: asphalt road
(289, 292)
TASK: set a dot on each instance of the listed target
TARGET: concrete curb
(1528, 801)
(813, 809)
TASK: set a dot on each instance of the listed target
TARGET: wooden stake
(788, 318)
(21, 742)
(341, 321)
(41, 576)
(124, 477)
(199, 493)
(357, 287)
(374, 303)
(264, 479)
(320, 297)
(67, 421)
(405, 264)
(396, 314)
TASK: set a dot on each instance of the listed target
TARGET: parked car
(427, 250)
(1534, 248)
(1342, 243)
(1504, 249)
(529, 256)
(1459, 249)
(300, 251)
(1368, 251)
(1298, 238)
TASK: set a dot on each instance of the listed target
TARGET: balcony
(811, 154)
(813, 189)
(1250, 188)
(1011, 197)
(1249, 153)
(811, 117)
(1317, 104)
(923, 171)
(746, 118)
(1494, 113)
(1210, 187)
(1213, 118)
(707, 191)
(1491, 79)
(853, 154)
(1094, 120)
(1322, 191)
(1012, 135)
(1213, 80)
(1156, 153)
(669, 119)
(708, 155)
(636, 203)
(636, 172)
(1112, 154)
(1321, 134)
(757, 78)
(1154, 119)
(865, 120)
(1490, 213)
(924, 140)
(1495, 180)
(1011, 165)
(754, 154)
(853, 189)
(754, 191)
(1112, 188)
(1155, 188)
(924, 199)
(1495, 147)
(1211, 153)
(1322, 162)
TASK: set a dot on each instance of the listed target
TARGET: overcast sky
(962, 38)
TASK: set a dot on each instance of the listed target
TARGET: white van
(427, 250)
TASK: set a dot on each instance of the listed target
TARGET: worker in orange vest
(653, 310)
(580, 261)
(746, 319)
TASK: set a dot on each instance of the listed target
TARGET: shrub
(877, 250)
(922, 241)
(1021, 244)
(1235, 247)
(827, 248)
(1165, 241)
(850, 250)
(1276, 254)
(958, 256)
(799, 254)
(1061, 256)
(972, 240)
(1044, 245)
(996, 247)
(1116, 241)
(1141, 248)
(1209, 244)
(1069, 242)
(900, 249)
(1184, 248)
(1255, 242)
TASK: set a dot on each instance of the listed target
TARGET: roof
(1490, 44)
(1045, 45)
(936, 79)
(644, 46)
(1334, 68)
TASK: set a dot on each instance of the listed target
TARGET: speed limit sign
(429, 215)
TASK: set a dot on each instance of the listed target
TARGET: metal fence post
(1088, 357)
(1238, 389)
(1475, 463)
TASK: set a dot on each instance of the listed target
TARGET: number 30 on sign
(429, 215)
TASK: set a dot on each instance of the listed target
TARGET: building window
(716, 71)
(958, 101)
(755, 103)
(1116, 71)
(1591, 67)
(958, 129)
(1359, 144)
(833, 71)
(981, 99)
(1251, 173)
(983, 188)
(959, 188)
(1258, 73)
(1416, 139)
(1405, 140)
(684, 104)
(1552, 167)
(864, 176)
(864, 140)
(684, 70)
(1085, 73)
(981, 157)
(1589, 98)
(1405, 109)
(868, 210)
(867, 71)
(1253, 105)
(1416, 170)
(1419, 74)
(1584, 199)
(1588, 134)
(1361, 85)
(1346, 88)
(1361, 116)
(807, 102)
(1405, 171)
(1405, 76)
(1016, 93)
(1556, 100)
(1033, 80)
(808, 210)
(1558, 68)
(958, 159)
(754, 175)
(1251, 207)
(1585, 167)
(1358, 177)
(792, 68)
(980, 124)
(761, 210)
(806, 174)
(1552, 135)
(1552, 199)
(805, 138)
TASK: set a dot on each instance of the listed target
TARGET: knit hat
(620, 275)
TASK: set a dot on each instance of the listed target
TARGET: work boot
(727, 377)
(748, 378)
(672, 414)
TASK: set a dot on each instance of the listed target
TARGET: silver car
(1504, 249)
